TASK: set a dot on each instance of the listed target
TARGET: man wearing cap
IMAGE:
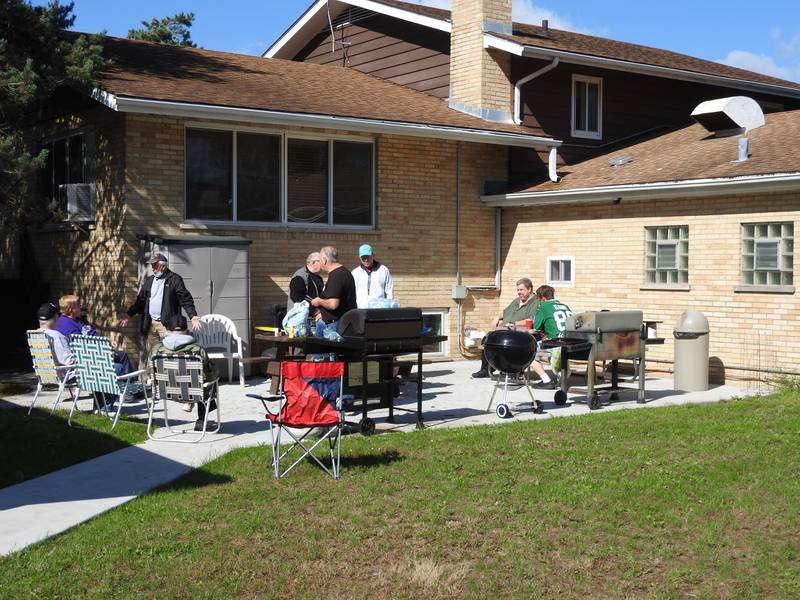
(162, 295)
(373, 280)
(48, 313)
(339, 294)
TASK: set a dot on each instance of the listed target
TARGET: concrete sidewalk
(34, 510)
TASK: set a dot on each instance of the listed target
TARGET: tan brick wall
(416, 223)
(479, 78)
(87, 261)
(607, 242)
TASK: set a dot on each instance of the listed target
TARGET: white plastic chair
(218, 337)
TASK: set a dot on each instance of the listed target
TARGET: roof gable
(526, 39)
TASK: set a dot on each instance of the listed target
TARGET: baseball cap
(47, 311)
(157, 257)
(365, 250)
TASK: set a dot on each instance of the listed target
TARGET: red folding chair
(310, 398)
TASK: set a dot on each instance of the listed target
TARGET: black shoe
(198, 425)
(541, 385)
(482, 374)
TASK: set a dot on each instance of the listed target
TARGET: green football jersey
(551, 318)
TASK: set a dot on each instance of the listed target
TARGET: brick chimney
(480, 81)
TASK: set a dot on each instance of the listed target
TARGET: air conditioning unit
(78, 200)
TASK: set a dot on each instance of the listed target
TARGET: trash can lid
(692, 321)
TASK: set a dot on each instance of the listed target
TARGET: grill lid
(509, 339)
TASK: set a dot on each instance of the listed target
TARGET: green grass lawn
(35, 445)
(674, 502)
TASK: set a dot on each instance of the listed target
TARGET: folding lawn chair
(179, 378)
(45, 367)
(311, 397)
(94, 369)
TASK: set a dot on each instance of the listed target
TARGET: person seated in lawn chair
(551, 319)
(48, 314)
(73, 321)
(179, 341)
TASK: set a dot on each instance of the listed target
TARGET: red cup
(528, 324)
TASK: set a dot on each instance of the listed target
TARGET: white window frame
(445, 313)
(583, 133)
(564, 283)
(284, 178)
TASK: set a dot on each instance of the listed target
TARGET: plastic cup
(528, 324)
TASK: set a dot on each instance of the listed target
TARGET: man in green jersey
(551, 320)
(521, 309)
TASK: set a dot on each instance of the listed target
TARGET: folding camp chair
(311, 397)
(45, 367)
(179, 378)
(94, 369)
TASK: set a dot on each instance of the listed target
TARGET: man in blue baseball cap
(373, 280)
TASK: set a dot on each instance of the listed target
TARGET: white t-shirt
(60, 347)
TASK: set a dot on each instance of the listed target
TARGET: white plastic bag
(297, 315)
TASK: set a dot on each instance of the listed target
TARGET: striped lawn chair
(94, 369)
(179, 378)
(45, 367)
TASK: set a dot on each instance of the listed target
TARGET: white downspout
(523, 81)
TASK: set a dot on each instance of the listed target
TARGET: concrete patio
(36, 509)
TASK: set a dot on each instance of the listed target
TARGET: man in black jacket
(162, 296)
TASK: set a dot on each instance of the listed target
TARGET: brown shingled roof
(588, 45)
(688, 154)
(192, 75)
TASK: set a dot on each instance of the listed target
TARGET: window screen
(352, 183)
(307, 185)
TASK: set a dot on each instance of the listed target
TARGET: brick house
(188, 146)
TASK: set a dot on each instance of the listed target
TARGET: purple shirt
(68, 326)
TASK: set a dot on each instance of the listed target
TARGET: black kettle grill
(509, 351)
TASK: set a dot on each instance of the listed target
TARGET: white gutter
(271, 117)
(316, 9)
(523, 81)
(490, 41)
(650, 191)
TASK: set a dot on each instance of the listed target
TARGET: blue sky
(760, 36)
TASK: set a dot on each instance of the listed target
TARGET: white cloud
(762, 63)
(787, 49)
(525, 11)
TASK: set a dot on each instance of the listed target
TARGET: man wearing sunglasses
(373, 280)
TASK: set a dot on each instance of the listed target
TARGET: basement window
(667, 255)
(561, 271)
(767, 254)
(587, 107)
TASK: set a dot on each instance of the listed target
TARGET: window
(209, 175)
(767, 253)
(308, 181)
(65, 163)
(667, 255)
(436, 319)
(561, 270)
(587, 107)
(239, 176)
(258, 181)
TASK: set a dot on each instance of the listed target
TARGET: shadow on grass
(386, 457)
(34, 445)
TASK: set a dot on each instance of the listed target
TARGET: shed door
(218, 277)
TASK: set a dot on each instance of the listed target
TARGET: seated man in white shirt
(48, 315)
